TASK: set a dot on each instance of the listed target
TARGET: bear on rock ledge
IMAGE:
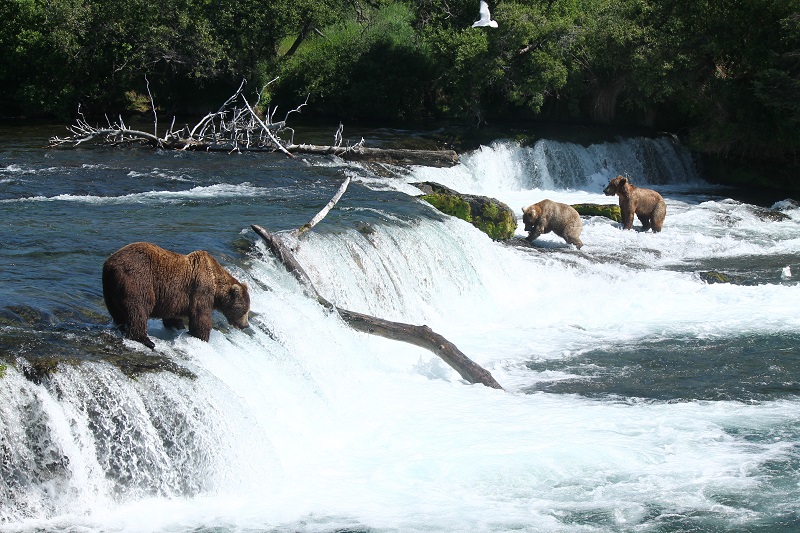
(142, 280)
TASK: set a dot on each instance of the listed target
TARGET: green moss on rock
(489, 215)
(497, 221)
(450, 204)
(715, 276)
(611, 211)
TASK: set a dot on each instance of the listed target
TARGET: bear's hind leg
(645, 220)
(137, 329)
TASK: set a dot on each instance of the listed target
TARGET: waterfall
(558, 165)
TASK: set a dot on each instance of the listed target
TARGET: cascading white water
(303, 424)
(554, 165)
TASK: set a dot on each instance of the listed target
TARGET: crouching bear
(547, 216)
(647, 204)
(142, 280)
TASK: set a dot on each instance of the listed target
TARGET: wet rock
(714, 276)
(611, 211)
(489, 215)
(769, 215)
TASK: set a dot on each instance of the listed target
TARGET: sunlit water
(638, 397)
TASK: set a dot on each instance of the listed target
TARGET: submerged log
(421, 336)
(489, 215)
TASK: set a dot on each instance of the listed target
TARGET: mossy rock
(715, 276)
(611, 211)
(451, 205)
(3, 368)
(489, 215)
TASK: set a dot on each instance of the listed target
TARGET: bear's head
(530, 215)
(235, 305)
(615, 186)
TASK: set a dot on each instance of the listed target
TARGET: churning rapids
(639, 397)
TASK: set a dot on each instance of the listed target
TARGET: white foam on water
(304, 424)
(221, 190)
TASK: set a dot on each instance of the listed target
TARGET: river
(638, 396)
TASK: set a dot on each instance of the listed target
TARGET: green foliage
(724, 73)
(373, 68)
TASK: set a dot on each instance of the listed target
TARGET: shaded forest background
(723, 74)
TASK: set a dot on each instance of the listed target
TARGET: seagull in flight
(486, 17)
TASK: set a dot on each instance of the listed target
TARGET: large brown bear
(647, 204)
(547, 216)
(142, 280)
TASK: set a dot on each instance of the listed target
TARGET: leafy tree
(487, 71)
(372, 67)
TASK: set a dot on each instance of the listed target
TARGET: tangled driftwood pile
(238, 126)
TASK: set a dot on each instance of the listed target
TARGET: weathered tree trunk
(421, 336)
(430, 158)
(424, 337)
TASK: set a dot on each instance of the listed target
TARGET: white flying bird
(486, 17)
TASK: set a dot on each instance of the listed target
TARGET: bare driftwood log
(421, 336)
(358, 152)
(237, 126)
(319, 216)
(424, 337)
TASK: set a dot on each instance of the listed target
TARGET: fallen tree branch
(424, 337)
(421, 336)
(319, 216)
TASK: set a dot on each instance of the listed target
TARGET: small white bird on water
(486, 17)
(786, 273)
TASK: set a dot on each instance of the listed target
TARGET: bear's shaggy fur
(142, 280)
(547, 215)
(647, 204)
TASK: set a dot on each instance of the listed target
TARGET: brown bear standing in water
(547, 216)
(142, 280)
(647, 204)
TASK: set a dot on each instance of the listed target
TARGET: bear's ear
(236, 290)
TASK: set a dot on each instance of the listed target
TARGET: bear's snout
(610, 190)
(240, 323)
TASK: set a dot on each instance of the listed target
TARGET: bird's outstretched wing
(485, 17)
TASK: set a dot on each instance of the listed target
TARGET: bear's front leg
(627, 218)
(200, 322)
(533, 235)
